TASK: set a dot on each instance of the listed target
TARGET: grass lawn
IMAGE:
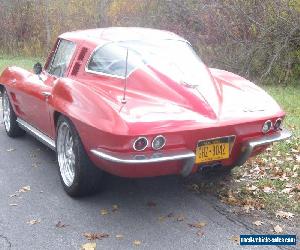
(24, 62)
(270, 181)
(278, 182)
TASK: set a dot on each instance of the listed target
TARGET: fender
(92, 113)
(77, 101)
(11, 76)
(12, 79)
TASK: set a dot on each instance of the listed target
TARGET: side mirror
(38, 68)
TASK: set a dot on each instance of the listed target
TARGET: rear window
(110, 59)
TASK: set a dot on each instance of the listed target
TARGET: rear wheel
(77, 173)
(9, 118)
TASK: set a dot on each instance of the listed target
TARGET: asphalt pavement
(153, 213)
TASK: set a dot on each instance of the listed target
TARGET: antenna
(125, 85)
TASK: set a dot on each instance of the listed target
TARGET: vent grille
(75, 69)
(82, 54)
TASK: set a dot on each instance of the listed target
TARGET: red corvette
(136, 102)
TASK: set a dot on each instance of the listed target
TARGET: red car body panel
(228, 105)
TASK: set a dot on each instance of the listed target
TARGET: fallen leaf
(89, 246)
(180, 218)
(24, 189)
(33, 222)
(230, 199)
(235, 239)
(247, 208)
(170, 215)
(258, 223)
(60, 225)
(284, 215)
(119, 236)
(198, 225)
(278, 229)
(115, 208)
(287, 190)
(137, 242)
(161, 218)
(104, 212)
(151, 204)
(196, 188)
(200, 233)
(95, 236)
(252, 188)
(268, 190)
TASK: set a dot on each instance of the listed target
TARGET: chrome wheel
(65, 153)
(6, 112)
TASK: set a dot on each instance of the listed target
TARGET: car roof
(115, 34)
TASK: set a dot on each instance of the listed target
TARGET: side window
(110, 59)
(62, 57)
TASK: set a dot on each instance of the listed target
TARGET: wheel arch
(56, 115)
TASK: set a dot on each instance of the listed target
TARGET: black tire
(87, 177)
(12, 130)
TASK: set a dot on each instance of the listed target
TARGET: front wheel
(9, 118)
(77, 173)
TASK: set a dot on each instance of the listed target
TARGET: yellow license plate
(213, 150)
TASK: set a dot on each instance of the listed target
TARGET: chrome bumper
(187, 156)
(144, 158)
(265, 140)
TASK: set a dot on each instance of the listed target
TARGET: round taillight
(140, 144)
(158, 142)
(267, 126)
(277, 124)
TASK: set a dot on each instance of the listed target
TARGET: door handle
(46, 94)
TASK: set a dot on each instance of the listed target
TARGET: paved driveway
(143, 208)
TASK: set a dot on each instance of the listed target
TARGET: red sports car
(136, 102)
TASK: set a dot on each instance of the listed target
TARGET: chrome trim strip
(121, 158)
(265, 140)
(37, 134)
(103, 74)
(46, 94)
(134, 159)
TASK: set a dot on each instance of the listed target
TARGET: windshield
(174, 58)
